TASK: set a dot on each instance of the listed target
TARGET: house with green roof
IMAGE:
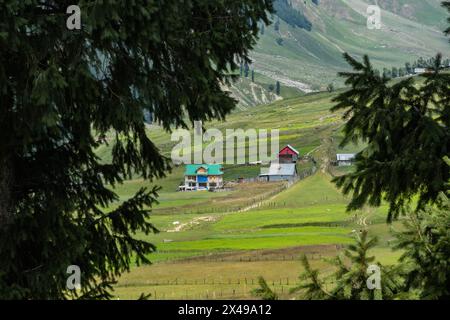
(202, 177)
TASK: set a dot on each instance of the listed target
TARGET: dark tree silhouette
(61, 90)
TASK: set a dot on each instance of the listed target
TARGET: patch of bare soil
(194, 222)
(294, 253)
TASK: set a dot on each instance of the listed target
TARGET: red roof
(289, 150)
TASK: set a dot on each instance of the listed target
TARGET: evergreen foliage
(264, 291)
(291, 16)
(62, 92)
(425, 242)
(276, 25)
(349, 281)
(330, 87)
(446, 4)
(407, 133)
(311, 286)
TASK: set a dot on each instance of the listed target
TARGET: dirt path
(324, 166)
(197, 221)
(260, 203)
(192, 223)
(325, 159)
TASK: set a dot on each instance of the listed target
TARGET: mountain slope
(250, 94)
(309, 60)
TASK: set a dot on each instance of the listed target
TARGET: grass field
(223, 258)
(215, 245)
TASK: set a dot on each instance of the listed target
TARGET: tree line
(410, 68)
(246, 72)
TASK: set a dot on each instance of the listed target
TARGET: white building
(202, 177)
(279, 172)
(345, 159)
(419, 70)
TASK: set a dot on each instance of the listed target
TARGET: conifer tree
(408, 68)
(264, 291)
(350, 280)
(311, 287)
(394, 72)
(425, 243)
(276, 25)
(63, 91)
(330, 87)
(406, 130)
(246, 69)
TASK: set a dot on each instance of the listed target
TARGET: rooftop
(279, 169)
(292, 148)
(211, 169)
(345, 156)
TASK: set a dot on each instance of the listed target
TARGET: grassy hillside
(215, 245)
(250, 94)
(303, 122)
(223, 256)
(308, 61)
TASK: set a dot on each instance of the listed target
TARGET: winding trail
(197, 221)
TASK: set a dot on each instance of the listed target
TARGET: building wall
(194, 181)
(342, 163)
(280, 178)
(287, 151)
(287, 158)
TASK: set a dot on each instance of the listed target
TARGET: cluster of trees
(406, 165)
(276, 87)
(290, 15)
(425, 63)
(409, 68)
(395, 72)
(330, 87)
(422, 272)
(246, 72)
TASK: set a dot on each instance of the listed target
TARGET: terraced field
(215, 245)
(224, 256)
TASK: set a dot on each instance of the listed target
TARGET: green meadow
(214, 245)
(309, 217)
